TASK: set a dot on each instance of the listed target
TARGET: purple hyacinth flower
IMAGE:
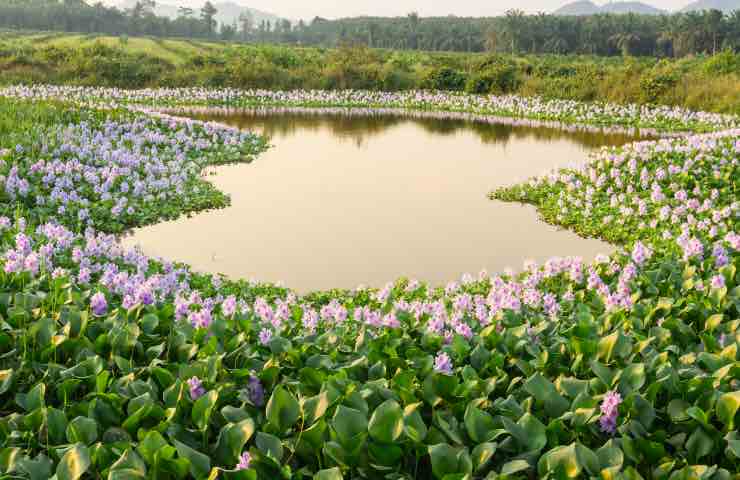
(196, 388)
(228, 307)
(98, 304)
(717, 281)
(443, 364)
(256, 391)
(610, 412)
(244, 461)
(265, 336)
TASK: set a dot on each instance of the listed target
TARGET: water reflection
(318, 212)
(360, 127)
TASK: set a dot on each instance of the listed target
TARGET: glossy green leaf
(203, 409)
(74, 463)
(386, 422)
(82, 430)
(283, 410)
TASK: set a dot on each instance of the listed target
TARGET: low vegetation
(701, 83)
(120, 366)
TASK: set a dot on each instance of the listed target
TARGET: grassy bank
(699, 83)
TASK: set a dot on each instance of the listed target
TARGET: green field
(708, 83)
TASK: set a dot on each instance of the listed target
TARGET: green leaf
(56, 423)
(515, 466)
(479, 424)
(329, 474)
(447, 460)
(677, 410)
(386, 423)
(9, 457)
(444, 385)
(6, 380)
(733, 444)
(544, 391)
(414, 425)
(74, 463)
(385, 454)
(152, 443)
(129, 467)
(713, 322)
(727, 407)
(606, 346)
(203, 408)
(604, 373)
(314, 408)
(336, 453)
(233, 414)
(38, 469)
(632, 378)
(610, 455)
(270, 445)
(232, 439)
(568, 461)
(82, 430)
(482, 454)
(535, 430)
(283, 410)
(699, 444)
(279, 345)
(33, 399)
(348, 423)
(149, 323)
(200, 464)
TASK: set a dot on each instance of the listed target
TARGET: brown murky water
(340, 202)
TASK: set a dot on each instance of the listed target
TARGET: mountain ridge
(587, 7)
(725, 6)
(228, 11)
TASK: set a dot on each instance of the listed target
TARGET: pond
(348, 200)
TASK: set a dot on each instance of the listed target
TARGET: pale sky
(308, 9)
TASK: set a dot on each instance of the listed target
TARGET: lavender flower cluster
(567, 111)
(667, 198)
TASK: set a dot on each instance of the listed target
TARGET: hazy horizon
(342, 8)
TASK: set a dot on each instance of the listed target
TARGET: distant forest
(674, 35)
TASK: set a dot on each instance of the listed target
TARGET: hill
(228, 12)
(723, 5)
(587, 7)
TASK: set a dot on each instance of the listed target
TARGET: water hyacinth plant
(116, 365)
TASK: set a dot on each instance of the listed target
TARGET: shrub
(656, 83)
(444, 79)
(723, 63)
(500, 78)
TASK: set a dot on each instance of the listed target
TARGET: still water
(342, 201)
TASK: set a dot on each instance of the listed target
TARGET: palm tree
(246, 20)
(625, 42)
(207, 13)
(513, 27)
(413, 24)
(713, 25)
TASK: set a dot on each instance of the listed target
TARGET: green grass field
(708, 83)
(174, 51)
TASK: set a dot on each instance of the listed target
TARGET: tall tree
(413, 24)
(207, 13)
(246, 20)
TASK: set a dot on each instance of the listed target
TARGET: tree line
(674, 35)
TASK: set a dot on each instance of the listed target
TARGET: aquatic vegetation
(115, 364)
(661, 118)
